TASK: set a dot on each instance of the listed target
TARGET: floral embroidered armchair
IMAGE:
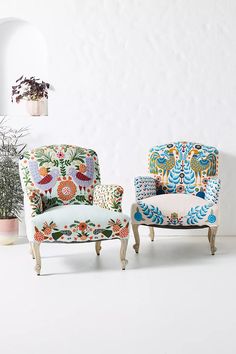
(182, 191)
(65, 202)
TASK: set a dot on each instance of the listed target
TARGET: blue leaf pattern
(152, 212)
(197, 213)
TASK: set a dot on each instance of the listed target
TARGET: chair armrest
(212, 190)
(108, 196)
(35, 201)
(145, 187)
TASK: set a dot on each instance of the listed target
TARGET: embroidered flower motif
(82, 231)
(116, 228)
(66, 190)
(211, 218)
(47, 228)
(205, 180)
(124, 232)
(38, 235)
(116, 225)
(158, 179)
(82, 226)
(180, 189)
(83, 237)
(137, 215)
(174, 216)
(60, 155)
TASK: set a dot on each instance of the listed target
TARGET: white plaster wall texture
(136, 73)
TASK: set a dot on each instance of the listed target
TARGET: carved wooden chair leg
(98, 247)
(37, 268)
(152, 234)
(211, 236)
(123, 248)
(32, 250)
(136, 237)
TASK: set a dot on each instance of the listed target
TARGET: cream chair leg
(32, 250)
(211, 237)
(136, 237)
(98, 247)
(152, 234)
(123, 248)
(37, 257)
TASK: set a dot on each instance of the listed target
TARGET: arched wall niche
(23, 51)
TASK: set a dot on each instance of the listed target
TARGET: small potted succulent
(34, 91)
(11, 194)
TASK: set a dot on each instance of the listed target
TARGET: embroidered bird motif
(199, 164)
(84, 176)
(44, 181)
(162, 162)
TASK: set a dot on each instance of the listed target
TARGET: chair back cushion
(183, 167)
(64, 174)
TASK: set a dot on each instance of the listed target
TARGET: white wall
(132, 74)
(23, 51)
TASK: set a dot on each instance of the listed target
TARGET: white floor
(174, 298)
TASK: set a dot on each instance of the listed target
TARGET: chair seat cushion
(175, 210)
(79, 223)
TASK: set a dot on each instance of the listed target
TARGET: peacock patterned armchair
(65, 202)
(181, 192)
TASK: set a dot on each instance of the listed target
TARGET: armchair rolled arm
(108, 196)
(213, 190)
(35, 201)
(145, 187)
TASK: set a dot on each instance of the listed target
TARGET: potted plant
(34, 91)
(11, 194)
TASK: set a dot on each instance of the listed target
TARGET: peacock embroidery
(164, 161)
(183, 166)
(200, 164)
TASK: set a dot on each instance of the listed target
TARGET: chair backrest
(183, 167)
(64, 174)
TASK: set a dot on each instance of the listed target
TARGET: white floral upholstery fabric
(64, 200)
(108, 196)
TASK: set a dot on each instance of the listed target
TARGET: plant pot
(37, 108)
(8, 231)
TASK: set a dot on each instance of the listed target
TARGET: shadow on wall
(228, 193)
(23, 51)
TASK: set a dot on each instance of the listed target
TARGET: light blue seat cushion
(79, 223)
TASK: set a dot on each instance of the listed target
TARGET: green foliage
(11, 194)
(62, 168)
(43, 157)
(57, 235)
(51, 202)
(107, 233)
(78, 154)
(80, 198)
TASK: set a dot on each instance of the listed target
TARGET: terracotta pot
(36, 108)
(8, 231)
